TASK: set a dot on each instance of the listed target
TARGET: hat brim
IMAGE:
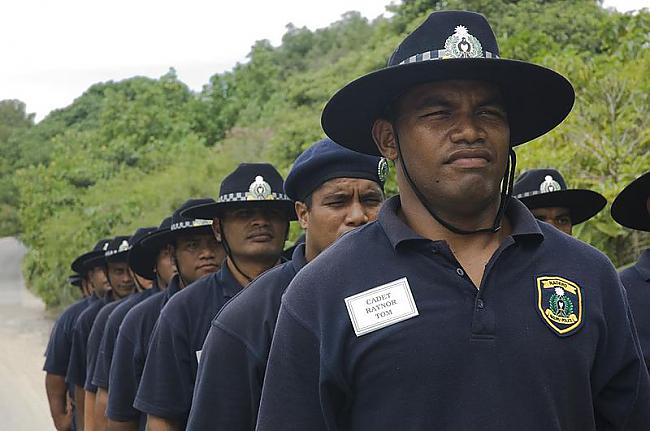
(630, 206)
(87, 260)
(157, 240)
(537, 99)
(142, 261)
(215, 210)
(583, 204)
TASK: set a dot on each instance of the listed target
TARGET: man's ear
(216, 229)
(384, 137)
(303, 214)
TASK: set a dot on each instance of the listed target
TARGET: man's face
(120, 278)
(98, 280)
(197, 254)
(255, 232)
(455, 138)
(559, 217)
(338, 206)
(165, 267)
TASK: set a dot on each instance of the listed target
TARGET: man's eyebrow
(493, 101)
(429, 101)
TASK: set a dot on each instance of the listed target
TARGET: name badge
(381, 306)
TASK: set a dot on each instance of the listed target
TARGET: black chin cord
(506, 193)
(228, 251)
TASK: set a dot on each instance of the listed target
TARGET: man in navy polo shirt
(335, 191)
(191, 246)
(251, 219)
(92, 263)
(456, 309)
(546, 195)
(146, 285)
(631, 209)
(57, 355)
(122, 286)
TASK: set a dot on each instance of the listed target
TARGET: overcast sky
(52, 51)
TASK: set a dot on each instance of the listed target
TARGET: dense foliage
(124, 154)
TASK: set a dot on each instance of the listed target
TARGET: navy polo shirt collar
(522, 221)
(228, 282)
(173, 287)
(643, 265)
(298, 259)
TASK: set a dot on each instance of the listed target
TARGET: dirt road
(24, 331)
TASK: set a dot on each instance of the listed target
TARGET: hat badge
(462, 44)
(259, 190)
(105, 246)
(549, 185)
(124, 246)
(382, 169)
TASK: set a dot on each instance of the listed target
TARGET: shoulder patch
(559, 302)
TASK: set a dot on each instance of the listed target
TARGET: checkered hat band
(190, 224)
(243, 197)
(439, 54)
(528, 194)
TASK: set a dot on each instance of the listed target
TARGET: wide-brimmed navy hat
(542, 188)
(250, 183)
(326, 160)
(630, 206)
(75, 280)
(137, 253)
(179, 224)
(92, 258)
(449, 45)
(142, 259)
(118, 249)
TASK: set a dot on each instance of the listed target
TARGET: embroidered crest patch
(560, 303)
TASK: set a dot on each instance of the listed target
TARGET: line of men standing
(459, 307)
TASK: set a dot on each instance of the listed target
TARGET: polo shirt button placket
(460, 272)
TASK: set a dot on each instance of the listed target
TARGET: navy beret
(326, 160)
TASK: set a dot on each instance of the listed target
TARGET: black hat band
(461, 44)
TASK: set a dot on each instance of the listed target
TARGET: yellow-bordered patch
(559, 302)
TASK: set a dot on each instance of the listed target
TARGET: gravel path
(24, 331)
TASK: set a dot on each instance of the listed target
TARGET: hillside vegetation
(124, 154)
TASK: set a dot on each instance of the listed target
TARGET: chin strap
(506, 193)
(228, 251)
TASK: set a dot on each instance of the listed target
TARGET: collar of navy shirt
(524, 224)
(227, 281)
(298, 259)
(643, 265)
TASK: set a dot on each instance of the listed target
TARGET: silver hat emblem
(124, 246)
(259, 190)
(105, 246)
(462, 44)
(383, 170)
(549, 185)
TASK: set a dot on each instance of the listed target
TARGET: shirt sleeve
(294, 396)
(76, 374)
(125, 372)
(228, 384)
(92, 351)
(167, 379)
(57, 355)
(105, 355)
(619, 376)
